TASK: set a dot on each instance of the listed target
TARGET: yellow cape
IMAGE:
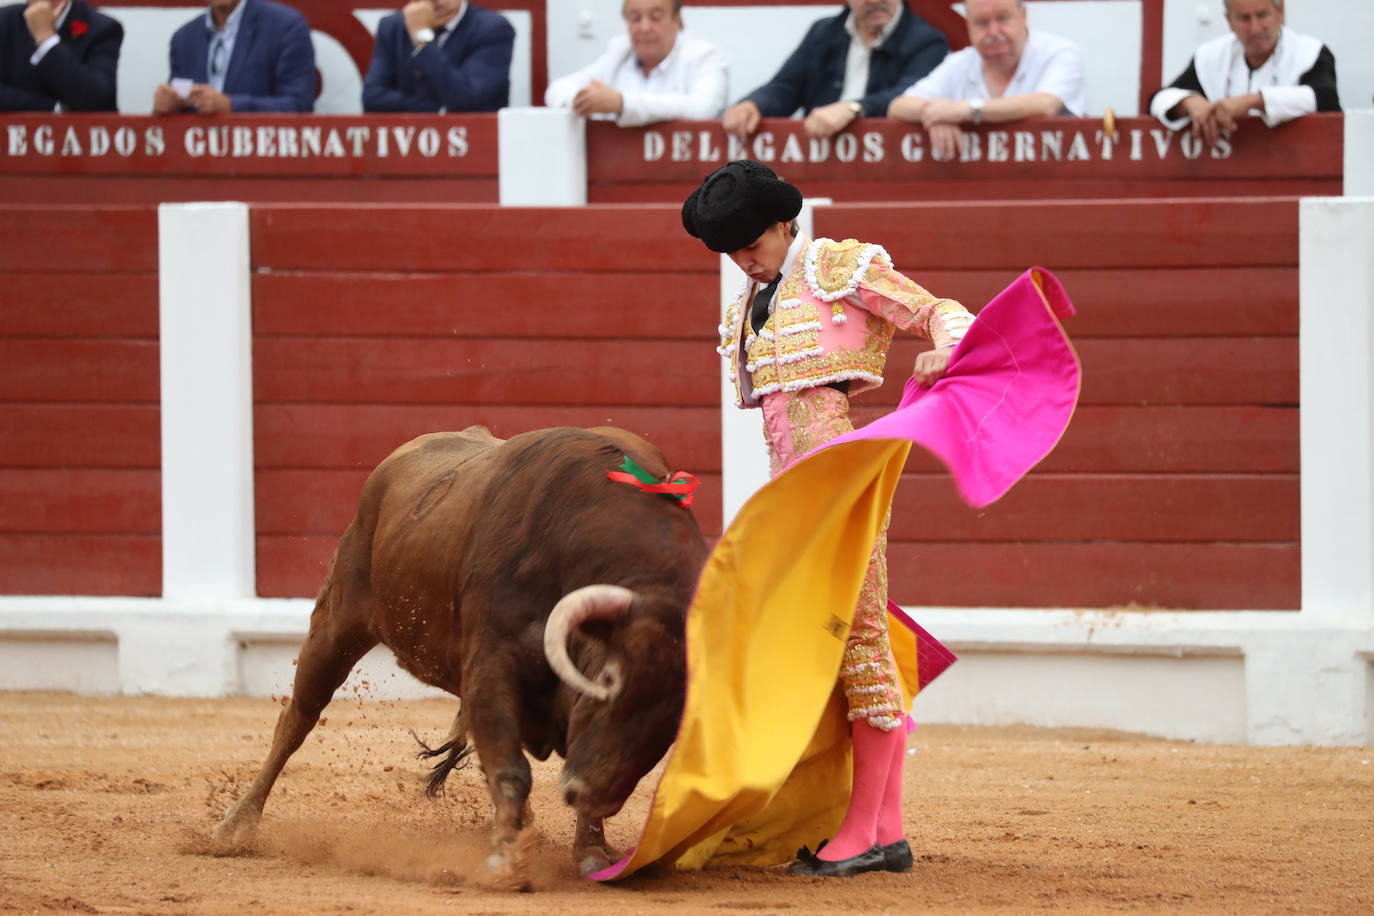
(762, 759)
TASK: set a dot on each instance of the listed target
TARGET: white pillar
(543, 157)
(744, 454)
(1359, 153)
(1336, 370)
(206, 349)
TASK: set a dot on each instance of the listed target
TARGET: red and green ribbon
(679, 486)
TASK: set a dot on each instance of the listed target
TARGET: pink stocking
(890, 828)
(873, 757)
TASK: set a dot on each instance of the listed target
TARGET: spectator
(440, 55)
(847, 67)
(1007, 73)
(1262, 68)
(242, 55)
(654, 73)
(57, 55)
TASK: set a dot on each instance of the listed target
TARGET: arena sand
(106, 806)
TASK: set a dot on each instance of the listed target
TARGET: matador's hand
(931, 365)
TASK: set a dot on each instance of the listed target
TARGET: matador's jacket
(831, 319)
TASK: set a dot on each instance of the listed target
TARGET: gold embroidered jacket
(832, 319)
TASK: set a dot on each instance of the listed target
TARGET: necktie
(758, 314)
(217, 61)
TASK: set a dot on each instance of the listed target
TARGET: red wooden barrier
(374, 325)
(1176, 484)
(1061, 158)
(80, 486)
(85, 158)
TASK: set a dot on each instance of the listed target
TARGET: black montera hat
(737, 203)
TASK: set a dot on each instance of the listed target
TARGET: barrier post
(1359, 153)
(543, 157)
(206, 351)
(1336, 392)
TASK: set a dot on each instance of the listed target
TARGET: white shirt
(692, 82)
(41, 51)
(857, 60)
(442, 33)
(1048, 64)
(1223, 72)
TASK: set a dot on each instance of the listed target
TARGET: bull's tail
(456, 751)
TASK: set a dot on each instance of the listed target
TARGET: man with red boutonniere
(57, 55)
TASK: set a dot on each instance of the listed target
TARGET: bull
(548, 597)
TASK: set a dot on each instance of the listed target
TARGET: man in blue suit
(242, 55)
(57, 55)
(847, 67)
(440, 55)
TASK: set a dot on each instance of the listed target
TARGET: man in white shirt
(1262, 68)
(656, 72)
(1007, 73)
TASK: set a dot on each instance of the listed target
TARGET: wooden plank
(80, 501)
(155, 188)
(111, 371)
(1119, 576)
(80, 436)
(485, 371)
(1183, 508)
(322, 501)
(1254, 440)
(92, 239)
(440, 304)
(1014, 235)
(88, 564)
(1150, 302)
(79, 305)
(621, 239)
(293, 566)
(1174, 576)
(360, 436)
(1156, 302)
(855, 189)
(1164, 371)
(1159, 440)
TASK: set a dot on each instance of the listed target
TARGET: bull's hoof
(594, 859)
(237, 830)
(509, 865)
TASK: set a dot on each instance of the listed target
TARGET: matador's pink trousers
(795, 422)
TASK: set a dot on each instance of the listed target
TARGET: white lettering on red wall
(994, 146)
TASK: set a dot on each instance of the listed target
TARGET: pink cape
(1004, 401)
(761, 756)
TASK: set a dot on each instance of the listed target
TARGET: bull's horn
(592, 602)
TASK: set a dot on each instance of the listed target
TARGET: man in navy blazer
(57, 55)
(440, 55)
(242, 55)
(847, 67)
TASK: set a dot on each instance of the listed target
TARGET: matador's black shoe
(811, 865)
(897, 856)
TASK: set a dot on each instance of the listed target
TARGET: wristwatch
(423, 37)
(975, 108)
(856, 109)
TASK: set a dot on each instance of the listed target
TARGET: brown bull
(515, 575)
